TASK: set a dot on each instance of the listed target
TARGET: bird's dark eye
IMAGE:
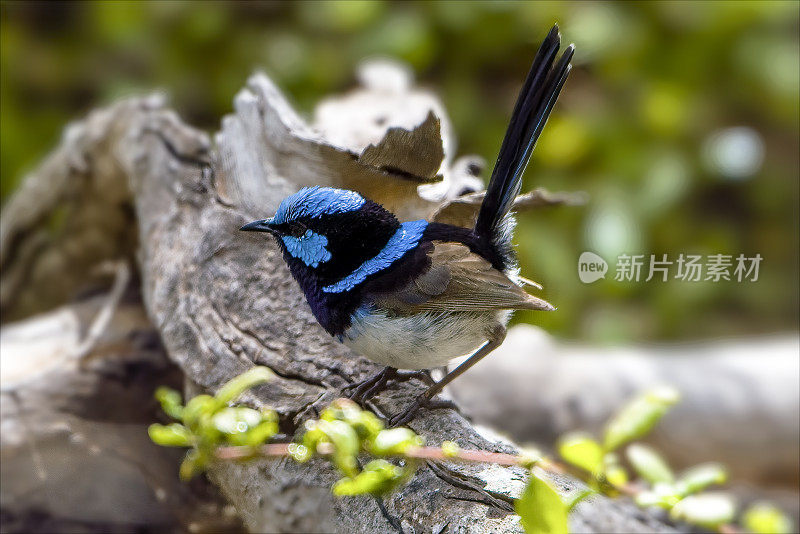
(297, 229)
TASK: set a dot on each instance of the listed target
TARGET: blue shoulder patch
(316, 201)
(310, 248)
(406, 238)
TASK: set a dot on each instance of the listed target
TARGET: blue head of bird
(332, 240)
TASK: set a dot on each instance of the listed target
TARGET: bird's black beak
(263, 225)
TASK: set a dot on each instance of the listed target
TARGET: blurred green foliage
(654, 84)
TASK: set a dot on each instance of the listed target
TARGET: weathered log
(68, 216)
(223, 301)
(77, 397)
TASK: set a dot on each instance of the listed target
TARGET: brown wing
(459, 280)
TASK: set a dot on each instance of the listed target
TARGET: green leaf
(258, 435)
(341, 410)
(245, 426)
(313, 436)
(394, 441)
(708, 510)
(582, 451)
(573, 501)
(236, 420)
(638, 417)
(377, 478)
(666, 494)
(172, 435)
(192, 464)
(541, 509)
(196, 408)
(700, 477)
(241, 383)
(662, 494)
(170, 401)
(615, 474)
(649, 464)
(365, 423)
(766, 518)
(346, 445)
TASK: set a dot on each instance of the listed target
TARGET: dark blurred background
(680, 120)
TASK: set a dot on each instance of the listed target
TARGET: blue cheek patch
(406, 238)
(308, 248)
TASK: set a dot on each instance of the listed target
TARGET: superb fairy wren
(417, 294)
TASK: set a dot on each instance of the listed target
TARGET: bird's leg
(370, 387)
(495, 340)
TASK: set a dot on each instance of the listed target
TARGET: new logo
(591, 267)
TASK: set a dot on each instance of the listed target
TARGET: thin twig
(275, 450)
(122, 275)
(270, 450)
(422, 453)
(467, 456)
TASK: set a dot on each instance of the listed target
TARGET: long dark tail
(535, 101)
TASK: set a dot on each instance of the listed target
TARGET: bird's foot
(421, 402)
(366, 389)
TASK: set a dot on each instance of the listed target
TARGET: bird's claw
(421, 402)
(366, 389)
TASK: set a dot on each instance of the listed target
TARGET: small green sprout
(342, 432)
(581, 450)
(700, 477)
(394, 441)
(207, 422)
(766, 518)
(241, 383)
(648, 464)
(709, 510)
(662, 495)
(346, 430)
(638, 417)
(377, 478)
(170, 401)
(635, 420)
(171, 435)
(341, 436)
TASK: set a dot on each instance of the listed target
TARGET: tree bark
(76, 399)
